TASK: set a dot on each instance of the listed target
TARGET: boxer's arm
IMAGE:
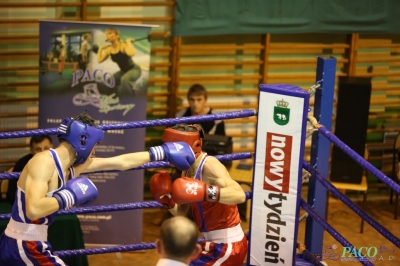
(215, 173)
(180, 158)
(121, 162)
(232, 193)
(39, 172)
(180, 209)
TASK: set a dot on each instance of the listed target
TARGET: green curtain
(220, 17)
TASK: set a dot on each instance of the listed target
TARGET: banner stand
(102, 69)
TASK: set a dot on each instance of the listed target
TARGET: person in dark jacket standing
(197, 98)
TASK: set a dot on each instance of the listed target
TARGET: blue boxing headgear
(82, 137)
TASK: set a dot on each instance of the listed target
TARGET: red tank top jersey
(213, 216)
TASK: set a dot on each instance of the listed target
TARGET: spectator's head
(178, 240)
(40, 143)
(197, 98)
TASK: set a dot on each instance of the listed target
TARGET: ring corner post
(281, 129)
(323, 109)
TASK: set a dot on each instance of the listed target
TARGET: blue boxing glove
(78, 191)
(177, 153)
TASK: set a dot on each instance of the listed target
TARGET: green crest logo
(281, 113)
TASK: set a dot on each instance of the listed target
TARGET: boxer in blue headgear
(82, 137)
(48, 184)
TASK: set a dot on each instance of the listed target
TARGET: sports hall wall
(229, 65)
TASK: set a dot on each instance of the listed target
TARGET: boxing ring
(267, 248)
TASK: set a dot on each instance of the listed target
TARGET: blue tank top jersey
(18, 212)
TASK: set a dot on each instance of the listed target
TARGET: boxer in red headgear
(191, 134)
(211, 193)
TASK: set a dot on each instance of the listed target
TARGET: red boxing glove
(187, 189)
(161, 188)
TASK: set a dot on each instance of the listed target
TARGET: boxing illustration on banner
(105, 66)
(104, 71)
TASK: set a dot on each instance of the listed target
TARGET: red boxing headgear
(191, 134)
